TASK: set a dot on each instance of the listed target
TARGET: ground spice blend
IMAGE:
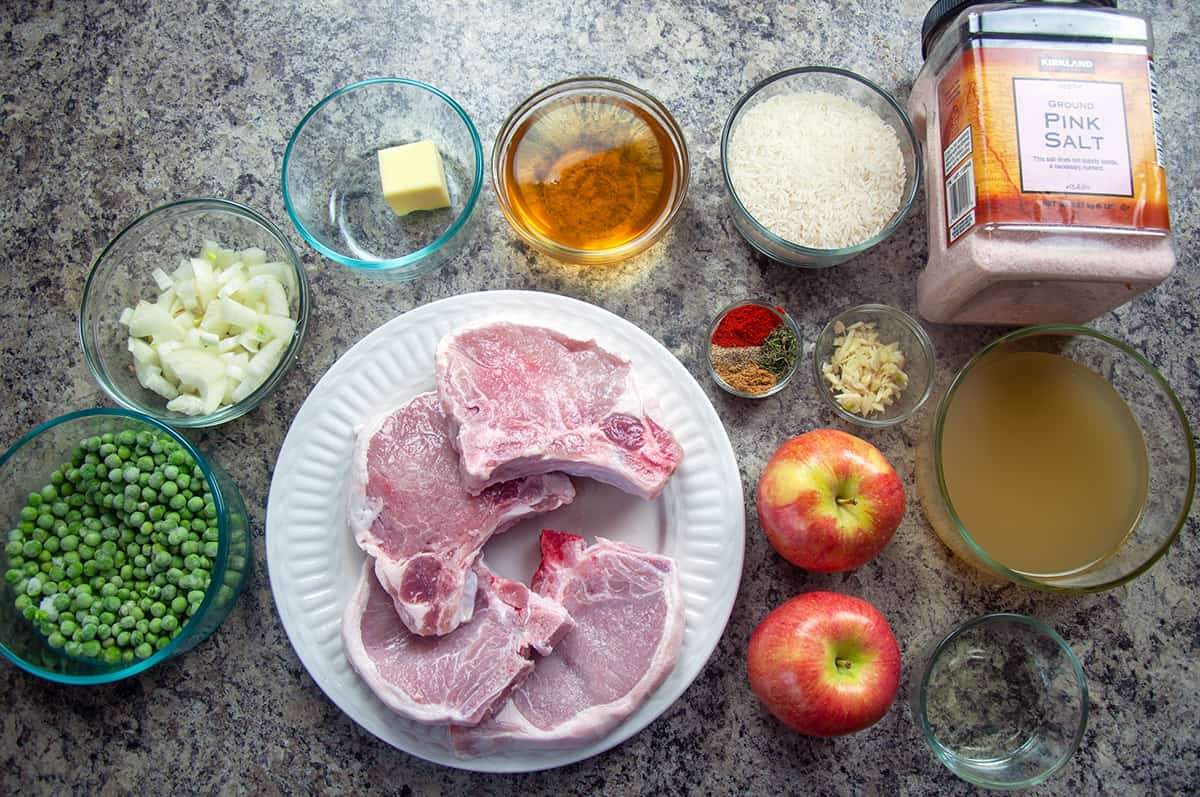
(752, 349)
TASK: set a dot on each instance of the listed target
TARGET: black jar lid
(943, 10)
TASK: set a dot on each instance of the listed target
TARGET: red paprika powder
(747, 325)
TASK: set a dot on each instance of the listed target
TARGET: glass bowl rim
(841, 253)
(784, 317)
(614, 87)
(924, 342)
(947, 756)
(218, 570)
(1070, 330)
(412, 258)
(238, 408)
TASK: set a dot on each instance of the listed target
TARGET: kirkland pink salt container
(1047, 198)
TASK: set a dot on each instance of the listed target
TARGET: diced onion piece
(203, 282)
(260, 367)
(253, 256)
(164, 358)
(278, 326)
(186, 404)
(161, 279)
(142, 351)
(151, 321)
(280, 271)
(277, 301)
(151, 378)
(126, 315)
(202, 371)
(238, 315)
(249, 341)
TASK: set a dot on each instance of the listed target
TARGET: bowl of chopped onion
(193, 312)
(873, 365)
(820, 165)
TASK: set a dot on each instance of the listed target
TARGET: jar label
(1051, 136)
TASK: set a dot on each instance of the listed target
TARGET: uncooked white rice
(817, 169)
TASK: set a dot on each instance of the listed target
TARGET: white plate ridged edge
(313, 563)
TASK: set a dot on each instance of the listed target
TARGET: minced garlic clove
(866, 376)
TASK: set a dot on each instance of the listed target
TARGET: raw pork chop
(628, 617)
(409, 511)
(459, 677)
(525, 400)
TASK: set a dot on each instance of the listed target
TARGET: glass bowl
(842, 83)
(576, 109)
(1170, 478)
(710, 347)
(1002, 700)
(27, 467)
(893, 326)
(331, 184)
(123, 274)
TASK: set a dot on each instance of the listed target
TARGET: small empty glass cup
(1002, 701)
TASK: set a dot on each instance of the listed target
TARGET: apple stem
(842, 664)
(844, 501)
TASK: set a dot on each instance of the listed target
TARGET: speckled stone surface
(110, 108)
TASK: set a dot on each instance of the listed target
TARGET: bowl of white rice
(820, 165)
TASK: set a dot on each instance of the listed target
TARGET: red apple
(825, 664)
(829, 501)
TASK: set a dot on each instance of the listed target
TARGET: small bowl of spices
(820, 165)
(753, 349)
(590, 170)
(874, 365)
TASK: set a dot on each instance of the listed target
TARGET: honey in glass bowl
(591, 171)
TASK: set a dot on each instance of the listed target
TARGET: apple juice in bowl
(1058, 458)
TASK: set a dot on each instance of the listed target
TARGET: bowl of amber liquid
(1060, 459)
(590, 170)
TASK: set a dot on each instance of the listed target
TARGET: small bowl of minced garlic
(874, 365)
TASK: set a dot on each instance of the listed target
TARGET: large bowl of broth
(1058, 458)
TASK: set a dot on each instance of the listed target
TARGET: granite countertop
(109, 108)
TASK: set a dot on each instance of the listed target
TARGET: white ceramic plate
(314, 563)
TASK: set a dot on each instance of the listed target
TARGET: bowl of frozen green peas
(125, 546)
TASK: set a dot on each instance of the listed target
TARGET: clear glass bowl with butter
(364, 203)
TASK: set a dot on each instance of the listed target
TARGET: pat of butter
(413, 177)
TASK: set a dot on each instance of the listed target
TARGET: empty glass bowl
(892, 326)
(1169, 456)
(123, 275)
(331, 183)
(1002, 701)
(842, 83)
(27, 467)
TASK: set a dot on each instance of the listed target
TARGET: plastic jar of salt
(1047, 197)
